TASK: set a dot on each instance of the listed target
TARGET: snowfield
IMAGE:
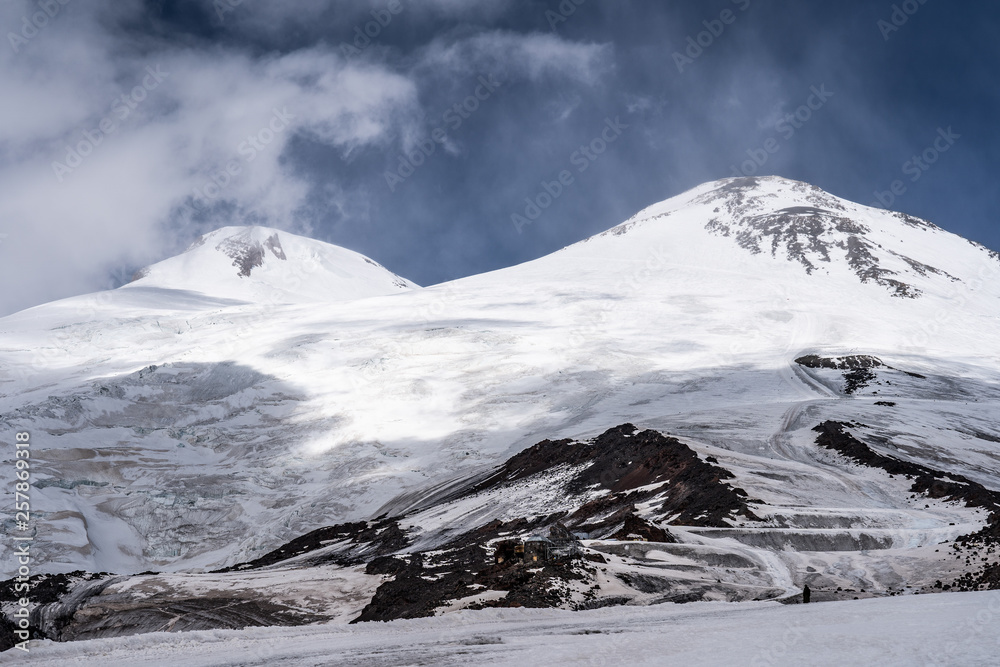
(958, 629)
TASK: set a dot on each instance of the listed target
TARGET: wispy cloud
(534, 56)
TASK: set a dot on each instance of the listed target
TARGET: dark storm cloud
(420, 132)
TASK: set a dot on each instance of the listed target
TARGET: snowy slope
(197, 426)
(913, 630)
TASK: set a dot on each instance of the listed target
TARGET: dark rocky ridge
(423, 582)
(624, 459)
(45, 589)
(355, 543)
(7, 637)
(860, 369)
(934, 483)
(620, 461)
(938, 485)
(849, 362)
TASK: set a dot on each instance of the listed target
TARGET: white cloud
(111, 209)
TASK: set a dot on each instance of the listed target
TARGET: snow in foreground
(944, 629)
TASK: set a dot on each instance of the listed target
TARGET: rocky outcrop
(629, 464)
(978, 548)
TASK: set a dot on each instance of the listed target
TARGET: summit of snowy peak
(821, 233)
(248, 247)
(254, 263)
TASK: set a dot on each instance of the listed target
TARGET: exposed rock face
(7, 637)
(629, 465)
(121, 614)
(247, 253)
(809, 235)
(934, 483)
(355, 543)
(635, 526)
(849, 362)
(622, 460)
(55, 598)
(139, 275)
(859, 369)
(273, 244)
(939, 485)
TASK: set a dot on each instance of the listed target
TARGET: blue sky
(419, 143)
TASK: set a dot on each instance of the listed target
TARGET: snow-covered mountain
(261, 264)
(832, 369)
